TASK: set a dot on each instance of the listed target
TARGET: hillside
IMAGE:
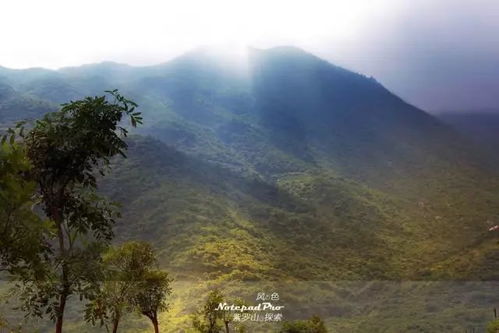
(361, 168)
(482, 126)
(306, 225)
(280, 166)
(15, 106)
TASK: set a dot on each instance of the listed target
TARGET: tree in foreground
(122, 268)
(21, 230)
(208, 319)
(65, 151)
(227, 317)
(151, 295)
(131, 282)
(212, 320)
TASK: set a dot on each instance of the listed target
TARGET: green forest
(209, 184)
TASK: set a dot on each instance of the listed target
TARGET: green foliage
(22, 231)
(151, 296)
(208, 319)
(65, 150)
(130, 282)
(312, 225)
(131, 259)
(122, 268)
(493, 327)
(71, 145)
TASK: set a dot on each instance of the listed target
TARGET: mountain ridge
(295, 175)
(338, 143)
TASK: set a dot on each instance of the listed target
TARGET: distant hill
(480, 126)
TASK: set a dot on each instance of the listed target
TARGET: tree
(150, 298)
(21, 230)
(312, 325)
(227, 317)
(131, 282)
(208, 319)
(66, 150)
(122, 269)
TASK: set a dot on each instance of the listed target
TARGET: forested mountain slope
(278, 164)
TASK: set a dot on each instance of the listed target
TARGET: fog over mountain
(438, 55)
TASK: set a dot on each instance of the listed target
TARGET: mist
(438, 55)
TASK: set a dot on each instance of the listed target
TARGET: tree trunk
(64, 276)
(116, 322)
(226, 326)
(154, 320)
(60, 313)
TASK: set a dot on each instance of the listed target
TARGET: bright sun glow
(56, 33)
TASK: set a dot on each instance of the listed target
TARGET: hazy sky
(437, 54)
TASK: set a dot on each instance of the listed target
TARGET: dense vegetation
(55, 227)
(290, 169)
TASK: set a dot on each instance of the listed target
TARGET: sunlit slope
(210, 223)
(213, 224)
(281, 165)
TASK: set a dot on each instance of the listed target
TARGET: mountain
(353, 155)
(277, 165)
(482, 126)
(15, 106)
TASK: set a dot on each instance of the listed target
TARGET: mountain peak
(288, 49)
(100, 67)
